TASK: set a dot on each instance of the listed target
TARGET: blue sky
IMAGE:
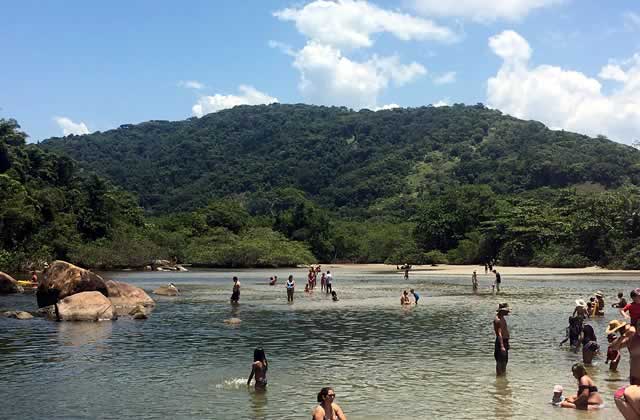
(78, 66)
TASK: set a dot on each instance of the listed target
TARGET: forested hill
(356, 164)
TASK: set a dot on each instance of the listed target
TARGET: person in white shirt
(291, 284)
(328, 280)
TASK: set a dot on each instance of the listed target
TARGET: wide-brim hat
(599, 293)
(614, 326)
(503, 307)
(580, 302)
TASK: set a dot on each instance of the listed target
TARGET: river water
(433, 360)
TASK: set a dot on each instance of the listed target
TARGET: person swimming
(327, 409)
(259, 369)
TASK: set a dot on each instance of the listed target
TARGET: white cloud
(613, 72)
(190, 84)
(631, 21)
(284, 48)
(350, 23)
(482, 10)
(328, 77)
(442, 102)
(248, 96)
(446, 78)
(386, 107)
(69, 127)
(563, 98)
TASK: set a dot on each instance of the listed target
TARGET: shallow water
(384, 362)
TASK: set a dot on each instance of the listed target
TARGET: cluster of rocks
(71, 293)
(164, 265)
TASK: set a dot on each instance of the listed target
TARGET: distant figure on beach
(599, 309)
(323, 282)
(588, 397)
(501, 345)
(589, 344)
(491, 267)
(259, 369)
(621, 303)
(627, 398)
(334, 296)
(474, 281)
(404, 298)
(273, 280)
(613, 354)
(498, 280)
(291, 285)
(327, 409)
(416, 296)
(406, 274)
(632, 310)
(235, 294)
(486, 269)
(327, 282)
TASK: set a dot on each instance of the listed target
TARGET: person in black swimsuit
(588, 397)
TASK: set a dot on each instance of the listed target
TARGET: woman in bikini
(588, 397)
(627, 398)
(590, 345)
(326, 408)
(259, 369)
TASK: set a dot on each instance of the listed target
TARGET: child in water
(334, 296)
(613, 355)
(416, 297)
(557, 395)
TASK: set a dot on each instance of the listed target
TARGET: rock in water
(24, 315)
(7, 284)
(233, 321)
(63, 279)
(166, 291)
(139, 312)
(125, 296)
(84, 306)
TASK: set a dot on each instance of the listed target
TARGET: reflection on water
(384, 361)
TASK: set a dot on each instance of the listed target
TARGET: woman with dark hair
(588, 397)
(589, 344)
(326, 408)
(259, 369)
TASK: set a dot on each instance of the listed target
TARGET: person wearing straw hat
(627, 398)
(501, 345)
(599, 309)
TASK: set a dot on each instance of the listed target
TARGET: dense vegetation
(462, 184)
(52, 209)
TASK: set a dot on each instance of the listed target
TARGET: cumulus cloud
(190, 84)
(482, 10)
(70, 127)
(284, 48)
(563, 98)
(248, 96)
(441, 102)
(446, 78)
(330, 78)
(386, 107)
(351, 23)
(631, 21)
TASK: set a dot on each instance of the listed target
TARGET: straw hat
(599, 293)
(580, 302)
(503, 307)
(614, 326)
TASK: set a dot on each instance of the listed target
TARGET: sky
(76, 67)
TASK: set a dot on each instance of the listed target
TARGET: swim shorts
(498, 354)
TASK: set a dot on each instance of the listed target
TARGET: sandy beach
(445, 269)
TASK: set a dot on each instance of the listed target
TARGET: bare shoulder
(318, 412)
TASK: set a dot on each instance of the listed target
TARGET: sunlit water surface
(385, 362)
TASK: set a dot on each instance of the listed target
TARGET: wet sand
(458, 270)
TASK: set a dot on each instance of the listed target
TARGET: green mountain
(460, 184)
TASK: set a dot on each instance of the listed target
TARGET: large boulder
(166, 291)
(125, 296)
(83, 306)
(7, 284)
(63, 279)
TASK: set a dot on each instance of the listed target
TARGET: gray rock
(24, 315)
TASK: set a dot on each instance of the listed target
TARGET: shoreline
(446, 269)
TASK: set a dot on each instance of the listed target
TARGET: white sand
(445, 269)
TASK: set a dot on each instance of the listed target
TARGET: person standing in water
(474, 281)
(259, 369)
(621, 303)
(501, 345)
(498, 280)
(406, 273)
(323, 281)
(328, 280)
(627, 398)
(235, 294)
(416, 296)
(327, 409)
(291, 284)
